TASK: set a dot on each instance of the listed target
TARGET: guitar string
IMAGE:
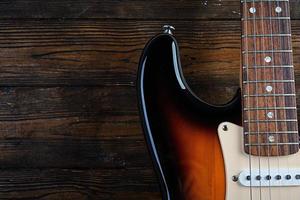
(267, 101)
(288, 27)
(257, 105)
(256, 89)
(248, 92)
(275, 102)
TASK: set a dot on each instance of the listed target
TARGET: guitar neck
(269, 99)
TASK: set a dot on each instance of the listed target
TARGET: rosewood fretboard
(269, 100)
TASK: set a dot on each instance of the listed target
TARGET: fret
(271, 108)
(266, 27)
(266, 43)
(268, 101)
(260, 138)
(267, 75)
(264, 144)
(270, 95)
(275, 92)
(269, 115)
(275, 59)
(266, 66)
(254, 1)
(269, 81)
(264, 18)
(271, 120)
(272, 150)
(272, 133)
(269, 51)
(270, 127)
(267, 35)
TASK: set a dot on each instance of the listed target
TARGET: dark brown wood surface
(69, 121)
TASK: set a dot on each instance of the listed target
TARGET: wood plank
(102, 53)
(120, 9)
(75, 127)
(112, 126)
(47, 53)
(71, 127)
(118, 153)
(96, 126)
(35, 103)
(129, 9)
(53, 184)
(105, 53)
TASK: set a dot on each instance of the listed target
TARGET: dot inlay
(278, 9)
(271, 138)
(270, 114)
(252, 10)
(269, 88)
(268, 59)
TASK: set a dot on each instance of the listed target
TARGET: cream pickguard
(236, 162)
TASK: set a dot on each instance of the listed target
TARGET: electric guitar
(247, 149)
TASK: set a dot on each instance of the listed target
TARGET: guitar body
(181, 130)
(197, 148)
(236, 161)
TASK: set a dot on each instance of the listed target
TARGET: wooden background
(69, 122)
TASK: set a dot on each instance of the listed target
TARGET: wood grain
(36, 53)
(78, 184)
(258, 73)
(105, 53)
(42, 125)
(68, 117)
(128, 9)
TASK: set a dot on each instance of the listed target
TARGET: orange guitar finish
(198, 154)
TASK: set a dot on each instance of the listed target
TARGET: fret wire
(271, 108)
(269, 95)
(269, 51)
(265, 18)
(272, 132)
(271, 144)
(271, 120)
(254, 1)
(267, 35)
(268, 66)
(269, 81)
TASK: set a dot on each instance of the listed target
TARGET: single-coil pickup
(270, 177)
